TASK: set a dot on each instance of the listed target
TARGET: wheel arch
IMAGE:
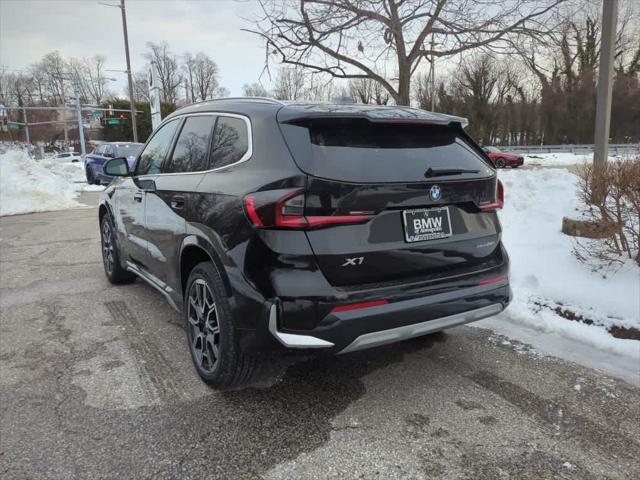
(103, 210)
(195, 250)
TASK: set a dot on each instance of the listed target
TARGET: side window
(108, 151)
(192, 147)
(153, 154)
(230, 141)
(99, 150)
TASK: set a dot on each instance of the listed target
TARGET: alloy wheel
(107, 247)
(203, 322)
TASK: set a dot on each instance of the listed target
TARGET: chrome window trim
(248, 154)
(144, 147)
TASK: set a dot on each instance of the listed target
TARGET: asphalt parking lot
(96, 382)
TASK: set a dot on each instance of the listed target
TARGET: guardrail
(614, 148)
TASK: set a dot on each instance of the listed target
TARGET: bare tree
(357, 39)
(141, 85)
(18, 87)
(96, 80)
(221, 92)
(290, 84)
(55, 71)
(205, 76)
(188, 66)
(366, 90)
(168, 70)
(254, 90)
(77, 69)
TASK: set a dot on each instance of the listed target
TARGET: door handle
(137, 196)
(177, 202)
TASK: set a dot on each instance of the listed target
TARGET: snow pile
(560, 159)
(545, 276)
(71, 172)
(26, 185)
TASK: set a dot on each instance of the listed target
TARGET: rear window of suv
(356, 150)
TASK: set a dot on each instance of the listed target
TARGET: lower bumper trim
(382, 337)
(291, 340)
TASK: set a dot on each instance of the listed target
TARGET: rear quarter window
(230, 141)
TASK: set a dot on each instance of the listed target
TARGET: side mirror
(117, 167)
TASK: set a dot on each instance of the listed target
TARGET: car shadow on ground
(294, 414)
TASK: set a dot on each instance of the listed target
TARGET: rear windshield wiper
(443, 172)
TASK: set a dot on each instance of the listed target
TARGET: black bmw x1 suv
(287, 225)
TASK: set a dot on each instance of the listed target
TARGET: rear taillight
(285, 209)
(499, 203)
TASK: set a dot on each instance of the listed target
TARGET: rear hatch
(425, 191)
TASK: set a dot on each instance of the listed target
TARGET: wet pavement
(96, 382)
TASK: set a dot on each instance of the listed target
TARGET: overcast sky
(83, 28)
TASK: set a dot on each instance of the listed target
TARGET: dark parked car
(94, 161)
(274, 225)
(502, 159)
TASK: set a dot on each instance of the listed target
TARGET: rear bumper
(347, 331)
(400, 319)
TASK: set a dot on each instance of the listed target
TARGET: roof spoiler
(395, 115)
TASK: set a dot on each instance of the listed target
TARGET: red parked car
(502, 159)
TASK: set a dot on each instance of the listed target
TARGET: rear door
(174, 197)
(424, 186)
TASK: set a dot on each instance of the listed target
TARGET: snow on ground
(71, 172)
(560, 159)
(545, 275)
(28, 185)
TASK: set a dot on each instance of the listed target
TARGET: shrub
(611, 196)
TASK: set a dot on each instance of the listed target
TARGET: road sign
(14, 126)
(113, 121)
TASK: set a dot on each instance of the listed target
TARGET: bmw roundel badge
(435, 193)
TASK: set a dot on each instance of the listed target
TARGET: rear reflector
(498, 279)
(250, 206)
(356, 306)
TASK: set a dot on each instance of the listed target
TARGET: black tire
(211, 337)
(91, 180)
(500, 163)
(110, 254)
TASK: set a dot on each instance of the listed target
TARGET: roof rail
(265, 99)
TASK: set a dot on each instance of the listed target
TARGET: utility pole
(154, 97)
(64, 113)
(83, 149)
(134, 123)
(26, 126)
(433, 74)
(605, 82)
